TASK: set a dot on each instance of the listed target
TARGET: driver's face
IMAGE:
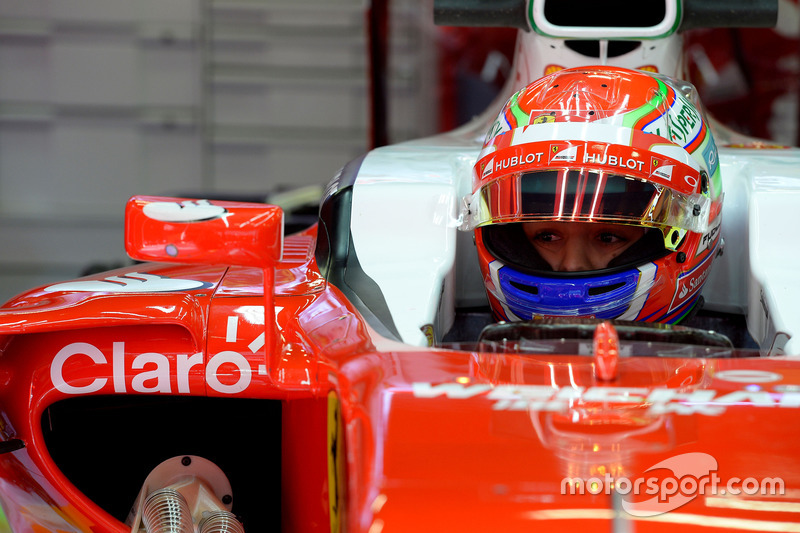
(580, 246)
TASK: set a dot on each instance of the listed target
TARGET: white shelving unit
(104, 99)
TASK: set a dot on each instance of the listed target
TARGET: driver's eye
(609, 238)
(546, 236)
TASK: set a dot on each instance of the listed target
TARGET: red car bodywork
(372, 435)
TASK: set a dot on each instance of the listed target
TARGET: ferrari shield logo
(568, 154)
(487, 168)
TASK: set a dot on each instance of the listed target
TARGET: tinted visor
(585, 196)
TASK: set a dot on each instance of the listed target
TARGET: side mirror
(180, 230)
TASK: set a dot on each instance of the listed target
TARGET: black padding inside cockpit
(336, 255)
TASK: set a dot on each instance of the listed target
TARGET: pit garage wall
(103, 99)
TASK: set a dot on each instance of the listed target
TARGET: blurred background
(252, 99)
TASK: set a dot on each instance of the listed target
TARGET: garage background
(247, 99)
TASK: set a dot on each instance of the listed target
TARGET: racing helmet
(596, 148)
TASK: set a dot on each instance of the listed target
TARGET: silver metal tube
(166, 511)
(220, 522)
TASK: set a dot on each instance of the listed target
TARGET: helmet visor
(585, 196)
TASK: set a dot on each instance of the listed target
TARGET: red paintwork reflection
(199, 231)
(434, 439)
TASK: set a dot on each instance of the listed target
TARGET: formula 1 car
(349, 377)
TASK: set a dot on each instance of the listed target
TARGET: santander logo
(693, 284)
(132, 282)
(690, 283)
(188, 211)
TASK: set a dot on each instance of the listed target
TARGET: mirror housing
(181, 230)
